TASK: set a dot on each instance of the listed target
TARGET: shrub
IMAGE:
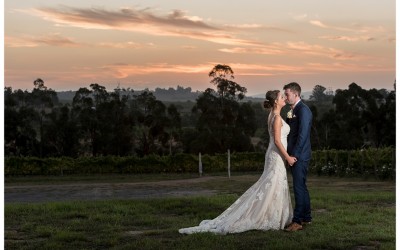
(378, 163)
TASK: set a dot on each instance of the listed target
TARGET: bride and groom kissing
(266, 205)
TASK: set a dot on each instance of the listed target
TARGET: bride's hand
(291, 160)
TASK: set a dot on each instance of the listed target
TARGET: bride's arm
(277, 140)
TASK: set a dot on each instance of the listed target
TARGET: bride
(266, 205)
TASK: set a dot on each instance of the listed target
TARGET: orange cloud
(296, 48)
(265, 70)
(353, 28)
(348, 38)
(256, 27)
(318, 23)
(125, 70)
(124, 45)
(49, 40)
(322, 25)
(318, 50)
(308, 68)
(144, 21)
(267, 50)
(348, 67)
(121, 71)
(60, 41)
(16, 42)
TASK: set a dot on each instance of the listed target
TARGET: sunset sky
(149, 44)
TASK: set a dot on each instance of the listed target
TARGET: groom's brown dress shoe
(294, 227)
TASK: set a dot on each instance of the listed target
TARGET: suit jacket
(299, 144)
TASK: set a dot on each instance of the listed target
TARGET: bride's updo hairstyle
(271, 96)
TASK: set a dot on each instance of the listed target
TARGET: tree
(361, 118)
(223, 123)
(61, 133)
(84, 112)
(39, 84)
(121, 134)
(226, 88)
(151, 123)
(43, 100)
(19, 132)
(99, 93)
(25, 117)
(388, 109)
(318, 93)
(174, 125)
(94, 110)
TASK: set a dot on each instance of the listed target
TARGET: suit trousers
(302, 210)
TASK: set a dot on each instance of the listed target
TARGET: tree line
(125, 123)
(354, 118)
(179, 94)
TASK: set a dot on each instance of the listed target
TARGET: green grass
(348, 214)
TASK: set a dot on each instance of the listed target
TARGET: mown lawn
(348, 214)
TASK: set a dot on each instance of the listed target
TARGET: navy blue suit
(299, 146)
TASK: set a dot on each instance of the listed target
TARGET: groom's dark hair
(294, 87)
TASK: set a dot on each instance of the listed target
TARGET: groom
(299, 119)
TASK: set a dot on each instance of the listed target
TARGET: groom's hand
(291, 161)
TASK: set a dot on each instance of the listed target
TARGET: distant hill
(66, 96)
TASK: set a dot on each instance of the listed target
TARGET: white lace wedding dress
(264, 206)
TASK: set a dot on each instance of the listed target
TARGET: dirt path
(155, 189)
(102, 191)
